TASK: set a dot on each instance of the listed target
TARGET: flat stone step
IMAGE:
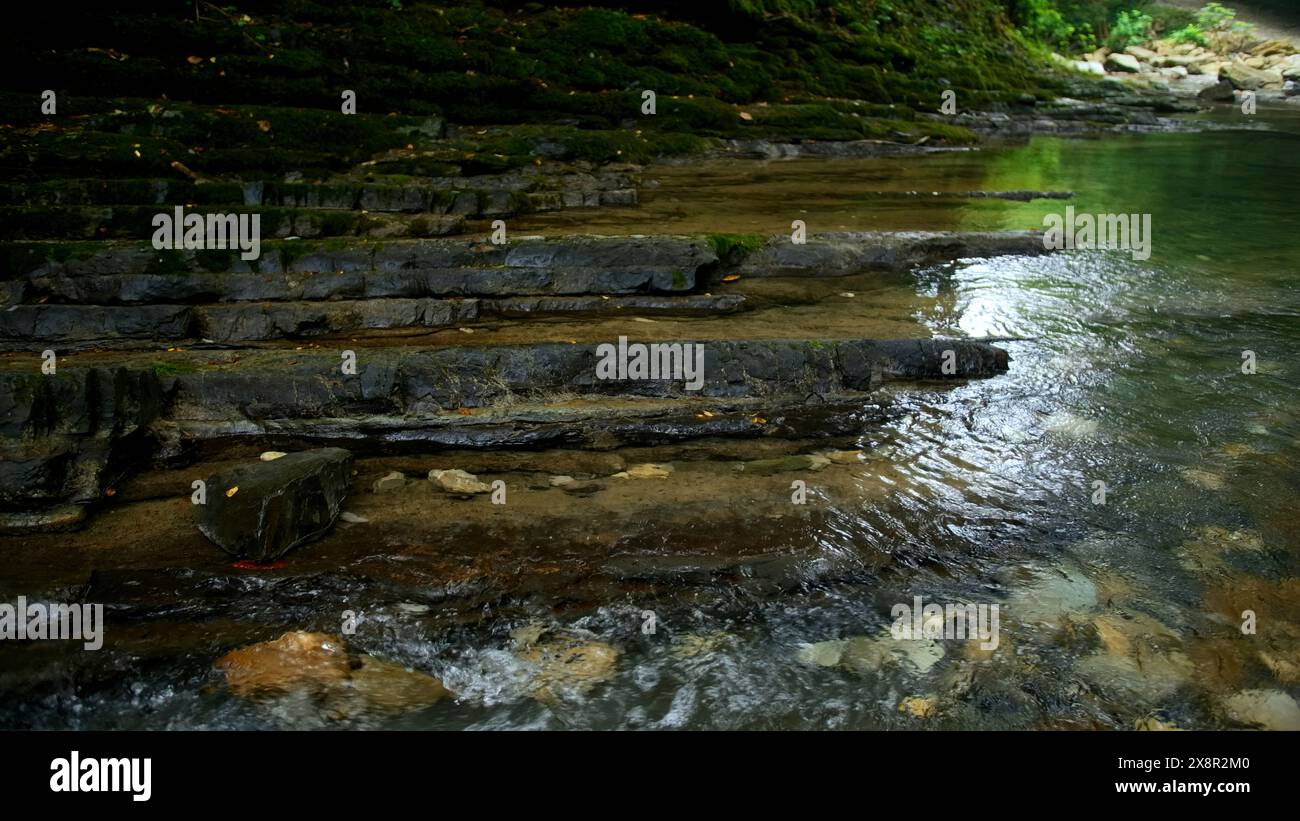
(625, 264)
(475, 197)
(71, 327)
(133, 222)
(847, 253)
(103, 273)
(64, 435)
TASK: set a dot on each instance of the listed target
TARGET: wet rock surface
(262, 510)
(317, 667)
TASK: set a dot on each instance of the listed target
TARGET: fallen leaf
(232, 491)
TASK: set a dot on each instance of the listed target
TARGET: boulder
(1220, 92)
(262, 510)
(1146, 55)
(1210, 67)
(395, 480)
(295, 661)
(379, 685)
(1090, 67)
(1246, 78)
(1123, 62)
(568, 665)
(319, 665)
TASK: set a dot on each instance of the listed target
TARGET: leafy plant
(1215, 17)
(1131, 27)
(1045, 23)
(1190, 33)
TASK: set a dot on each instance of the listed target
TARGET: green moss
(291, 251)
(22, 257)
(579, 69)
(164, 369)
(739, 245)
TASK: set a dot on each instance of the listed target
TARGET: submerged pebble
(1267, 709)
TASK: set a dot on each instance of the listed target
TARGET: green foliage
(1131, 27)
(1215, 17)
(1190, 33)
(1222, 28)
(1044, 22)
(1165, 19)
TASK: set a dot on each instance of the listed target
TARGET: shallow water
(1112, 614)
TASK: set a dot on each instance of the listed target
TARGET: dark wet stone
(844, 254)
(262, 510)
(58, 433)
(26, 325)
(1220, 92)
(239, 322)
